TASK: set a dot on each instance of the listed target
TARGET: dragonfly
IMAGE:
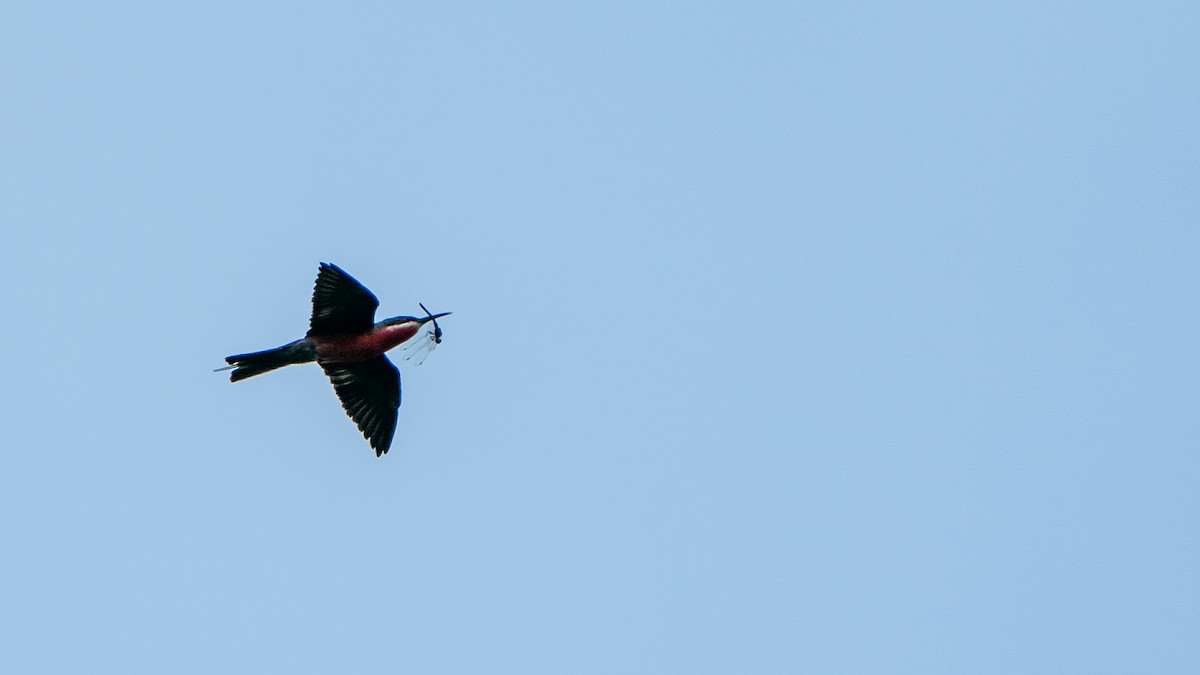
(420, 348)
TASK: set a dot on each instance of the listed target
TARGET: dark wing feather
(341, 305)
(370, 393)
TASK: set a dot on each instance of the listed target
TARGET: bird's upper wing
(370, 393)
(341, 305)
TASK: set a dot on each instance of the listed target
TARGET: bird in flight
(346, 341)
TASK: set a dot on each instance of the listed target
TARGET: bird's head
(418, 321)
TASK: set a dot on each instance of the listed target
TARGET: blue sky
(838, 337)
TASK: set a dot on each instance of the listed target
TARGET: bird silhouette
(350, 346)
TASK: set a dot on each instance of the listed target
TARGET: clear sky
(787, 337)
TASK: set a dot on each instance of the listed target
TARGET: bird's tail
(257, 363)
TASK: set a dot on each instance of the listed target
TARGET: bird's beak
(433, 317)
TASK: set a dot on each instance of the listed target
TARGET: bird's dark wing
(341, 305)
(370, 393)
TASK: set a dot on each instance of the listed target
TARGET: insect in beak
(421, 348)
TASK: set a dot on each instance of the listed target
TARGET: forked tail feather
(257, 363)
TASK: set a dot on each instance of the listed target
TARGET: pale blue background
(787, 337)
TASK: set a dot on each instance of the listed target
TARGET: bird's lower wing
(370, 393)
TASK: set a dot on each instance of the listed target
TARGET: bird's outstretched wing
(370, 393)
(341, 305)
